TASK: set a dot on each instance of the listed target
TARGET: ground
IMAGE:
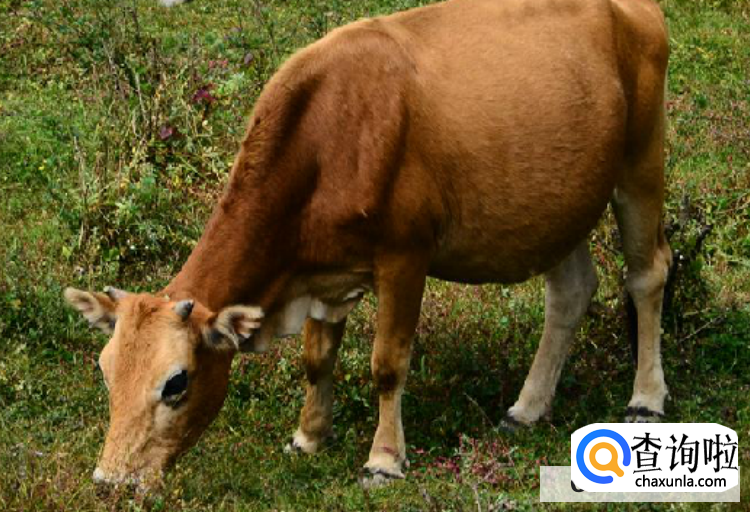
(118, 124)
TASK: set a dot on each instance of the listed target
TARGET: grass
(118, 124)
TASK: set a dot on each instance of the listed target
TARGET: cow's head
(167, 368)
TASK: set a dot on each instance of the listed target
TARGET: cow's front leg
(399, 284)
(322, 342)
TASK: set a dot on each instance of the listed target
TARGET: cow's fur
(473, 140)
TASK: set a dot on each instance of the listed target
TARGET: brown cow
(473, 140)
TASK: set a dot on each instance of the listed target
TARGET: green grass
(118, 124)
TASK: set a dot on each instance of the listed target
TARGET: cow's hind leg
(399, 284)
(569, 288)
(637, 204)
(322, 342)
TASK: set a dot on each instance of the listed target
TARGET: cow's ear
(233, 327)
(97, 308)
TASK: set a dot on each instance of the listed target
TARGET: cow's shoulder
(331, 126)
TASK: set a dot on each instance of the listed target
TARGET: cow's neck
(248, 255)
(247, 251)
(231, 263)
(251, 249)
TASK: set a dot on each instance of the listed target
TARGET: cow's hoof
(642, 415)
(510, 425)
(372, 478)
(292, 447)
(301, 443)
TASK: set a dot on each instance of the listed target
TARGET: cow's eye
(175, 388)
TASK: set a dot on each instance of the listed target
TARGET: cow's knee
(646, 285)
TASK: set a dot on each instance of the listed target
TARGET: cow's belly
(510, 223)
(513, 217)
(510, 250)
